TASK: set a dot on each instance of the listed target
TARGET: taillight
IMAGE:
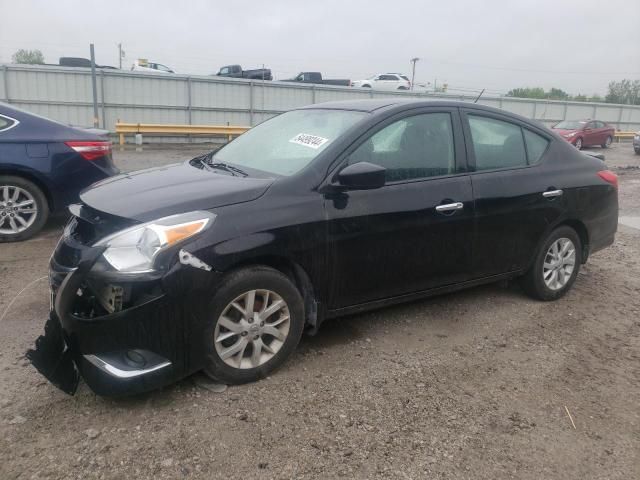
(91, 150)
(609, 177)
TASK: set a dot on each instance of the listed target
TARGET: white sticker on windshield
(308, 140)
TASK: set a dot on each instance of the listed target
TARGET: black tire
(403, 88)
(637, 150)
(607, 142)
(533, 281)
(366, 86)
(578, 143)
(40, 200)
(235, 284)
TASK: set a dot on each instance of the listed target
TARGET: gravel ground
(476, 384)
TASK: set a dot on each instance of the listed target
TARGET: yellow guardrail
(620, 135)
(154, 128)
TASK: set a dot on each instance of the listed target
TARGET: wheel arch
(300, 278)
(27, 175)
(582, 232)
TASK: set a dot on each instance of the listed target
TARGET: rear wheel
(556, 265)
(578, 143)
(607, 142)
(257, 322)
(23, 209)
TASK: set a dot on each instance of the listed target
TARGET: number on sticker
(308, 140)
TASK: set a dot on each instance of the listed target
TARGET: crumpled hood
(161, 191)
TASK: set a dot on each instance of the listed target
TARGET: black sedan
(220, 263)
(43, 167)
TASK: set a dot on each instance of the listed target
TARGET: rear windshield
(285, 144)
(570, 125)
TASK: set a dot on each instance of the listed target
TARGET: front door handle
(450, 207)
(552, 193)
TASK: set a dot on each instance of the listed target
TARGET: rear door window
(496, 143)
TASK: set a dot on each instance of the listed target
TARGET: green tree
(557, 94)
(595, 98)
(33, 57)
(624, 91)
(527, 92)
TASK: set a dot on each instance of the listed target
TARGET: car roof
(375, 106)
(371, 105)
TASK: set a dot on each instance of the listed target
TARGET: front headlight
(134, 249)
(570, 134)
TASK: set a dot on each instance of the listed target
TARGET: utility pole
(94, 87)
(413, 71)
(120, 54)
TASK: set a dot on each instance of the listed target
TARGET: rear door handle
(450, 207)
(552, 193)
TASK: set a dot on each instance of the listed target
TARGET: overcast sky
(576, 45)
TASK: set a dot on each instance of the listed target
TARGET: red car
(585, 133)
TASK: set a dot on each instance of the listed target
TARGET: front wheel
(578, 143)
(23, 209)
(257, 321)
(607, 142)
(555, 266)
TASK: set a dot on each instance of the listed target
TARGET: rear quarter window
(6, 123)
(536, 146)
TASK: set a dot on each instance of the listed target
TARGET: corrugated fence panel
(220, 95)
(144, 90)
(144, 115)
(65, 94)
(550, 112)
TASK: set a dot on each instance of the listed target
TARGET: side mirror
(362, 176)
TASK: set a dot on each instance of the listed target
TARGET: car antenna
(478, 97)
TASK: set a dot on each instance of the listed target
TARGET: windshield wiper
(204, 160)
(228, 168)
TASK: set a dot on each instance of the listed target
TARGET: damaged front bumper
(122, 334)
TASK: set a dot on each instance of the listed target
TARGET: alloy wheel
(18, 209)
(252, 329)
(579, 144)
(608, 141)
(559, 263)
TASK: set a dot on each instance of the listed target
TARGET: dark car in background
(220, 263)
(636, 142)
(586, 133)
(236, 71)
(316, 77)
(43, 167)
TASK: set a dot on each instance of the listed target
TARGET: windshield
(570, 125)
(289, 142)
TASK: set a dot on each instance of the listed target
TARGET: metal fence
(65, 94)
